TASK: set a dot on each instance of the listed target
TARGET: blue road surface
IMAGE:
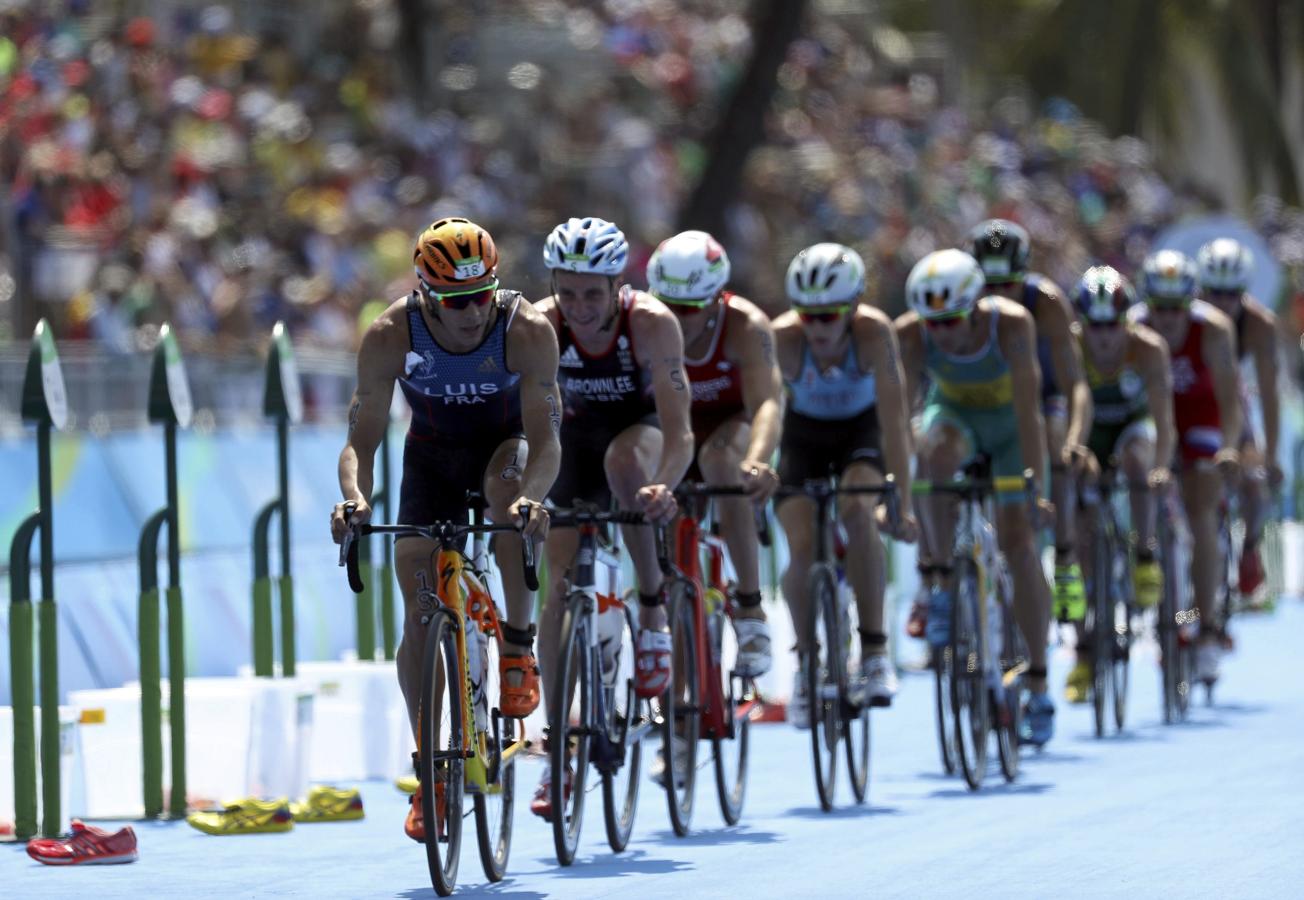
(1211, 808)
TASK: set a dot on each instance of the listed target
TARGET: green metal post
(262, 617)
(151, 695)
(176, 629)
(365, 604)
(21, 676)
(48, 625)
(287, 579)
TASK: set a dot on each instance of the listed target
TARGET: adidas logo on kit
(571, 359)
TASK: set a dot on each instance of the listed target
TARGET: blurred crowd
(199, 169)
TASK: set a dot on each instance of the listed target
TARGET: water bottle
(611, 626)
(477, 668)
(713, 603)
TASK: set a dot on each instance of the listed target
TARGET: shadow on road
(611, 865)
(502, 889)
(842, 812)
(1004, 788)
(711, 837)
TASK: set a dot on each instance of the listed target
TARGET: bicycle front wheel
(1121, 640)
(824, 681)
(441, 759)
(569, 715)
(729, 753)
(680, 713)
(628, 720)
(855, 712)
(1099, 627)
(1009, 694)
(969, 690)
(497, 735)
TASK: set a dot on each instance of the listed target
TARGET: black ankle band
(521, 637)
(1036, 671)
(872, 638)
(657, 599)
(1145, 554)
(749, 600)
(934, 569)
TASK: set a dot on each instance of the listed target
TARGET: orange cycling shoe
(652, 664)
(541, 805)
(517, 702)
(415, 824)
(917, 624)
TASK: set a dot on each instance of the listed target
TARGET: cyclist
(478, 366)
(847, 415)
(1207, 410)
(737, 409)
(1127, 367)
(625, 430)
(1002, 248)
(979, 353)
(1225, 269)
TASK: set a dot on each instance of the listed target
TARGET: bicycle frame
(691, 543)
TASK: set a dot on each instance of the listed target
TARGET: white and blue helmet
(1225, 265)
(1168, 275)
(589, 245)
(825, 275)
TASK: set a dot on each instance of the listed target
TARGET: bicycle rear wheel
(824, 681)
(1171, 659)
(569, 715)
(855, 715)
(942, 664)
(440, 759)
(680, 713)
(1122, 605)
(969, 689)
(494, 807)
(1009, 697)
(627, 721)
(729, 754)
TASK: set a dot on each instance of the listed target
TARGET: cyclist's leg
(946, 443)
(1201, 492)
(560, 548)
(1135, 451)
(629, 463)
(866, 565)
(414, 566)
(720, 458)
(1063, 492)
(502, 485)
(1254, 512)
(797, 518)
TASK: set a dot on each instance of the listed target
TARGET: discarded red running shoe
(88, 845)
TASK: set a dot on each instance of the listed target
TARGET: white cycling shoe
(754, 657)
(657, 770)
(876, 683)
(799, 703)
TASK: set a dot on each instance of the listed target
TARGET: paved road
(1210, 808)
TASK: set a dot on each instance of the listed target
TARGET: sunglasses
(1168, 306)
(946, 322)
(1104, 326)
(684, 307)
(1229, 295)
(822, 314)
(462, 299)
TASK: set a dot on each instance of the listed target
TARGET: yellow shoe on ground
(1070, 595)
(1147, 583)
(247, 816)
(1078, 686)
(408, 784)
(328, 804)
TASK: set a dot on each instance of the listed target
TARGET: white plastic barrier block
(354, 704)
(109, 741)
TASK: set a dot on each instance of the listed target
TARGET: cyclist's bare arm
(1218, 347)
(909, 333)
(876, 343)
(1261, 342)
(1055, 321)
(380, 361)
(532, 354)
(1155, 366)
(751, 349)
(1018, 340)
(788, 344)
(659, 343)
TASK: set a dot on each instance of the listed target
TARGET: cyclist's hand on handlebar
(1275, 475)
(907, 526)
(1160, 478)
(531, 516)
(1045, 514)
(341, 521)
(1091, 468)
(759, 479)
(1076, 457)
(657, 502)
(1228, 462)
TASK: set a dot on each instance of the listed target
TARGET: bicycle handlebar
(823, 488)
(570, 518)
(690, 489)
(443, 533)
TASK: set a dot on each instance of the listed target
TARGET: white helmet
(587, 245)
(943, 284)
(691, 266)
(1168, 275)
(1225, 265)
(825, 275)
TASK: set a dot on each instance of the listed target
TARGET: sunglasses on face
(1169, 306)
(946, 323)
(1104, 326)
(822, 314)
(1224, 295)
(462, 299)
(684, 307)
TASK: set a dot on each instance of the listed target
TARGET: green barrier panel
(44, 403)
(264, 653)
(365, 605)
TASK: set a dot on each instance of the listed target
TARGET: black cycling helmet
(1001, 248)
